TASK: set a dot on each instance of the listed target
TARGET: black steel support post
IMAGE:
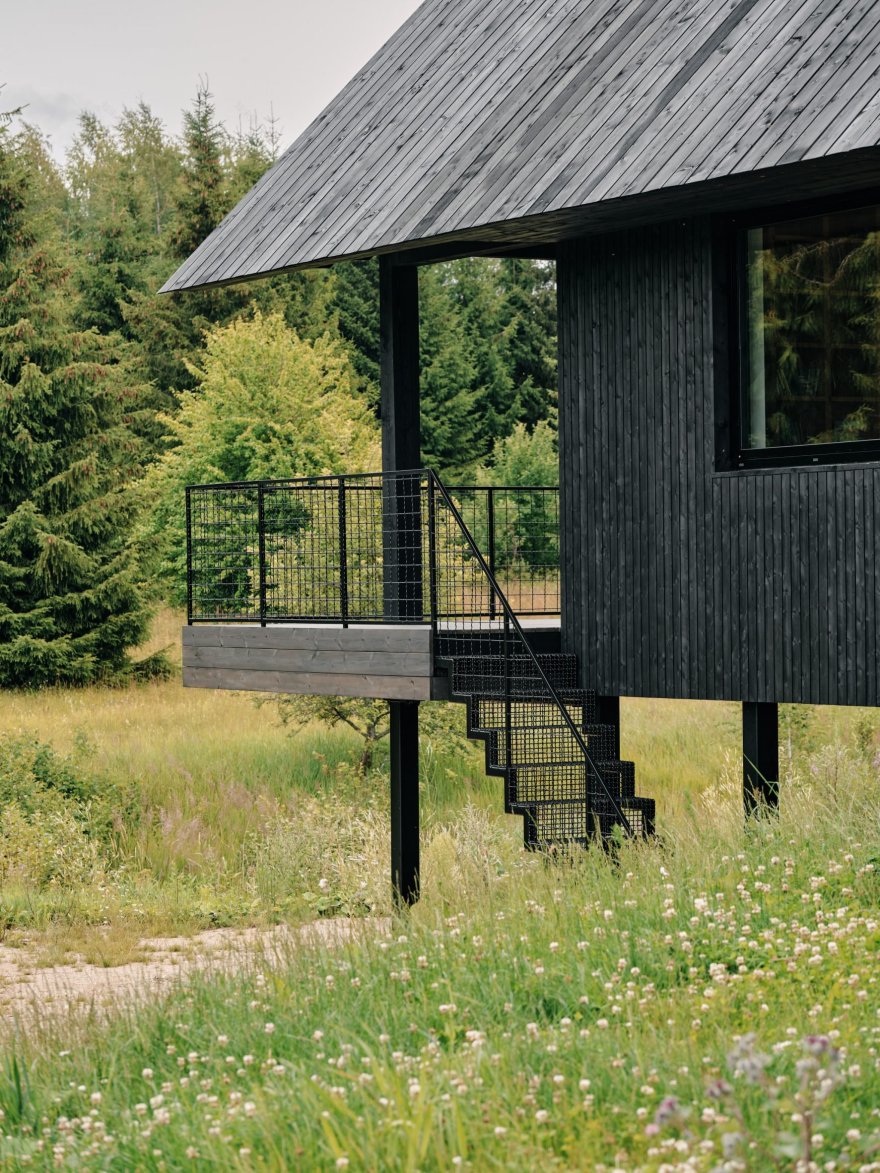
(405, 801)
(608, 713)
(401, 451)
(760, 756)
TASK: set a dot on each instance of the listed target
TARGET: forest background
(113, 397)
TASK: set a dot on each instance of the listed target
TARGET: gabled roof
(481, 114)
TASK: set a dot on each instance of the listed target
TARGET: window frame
(733, 455)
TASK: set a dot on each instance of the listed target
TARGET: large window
(810, 340)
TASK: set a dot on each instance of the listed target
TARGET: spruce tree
(453, 436)
(123, 185)
(106, 227)
(355, 304)
(69, 604)
(204, 200)
(472, 284)
(206, 194)
(528, 336)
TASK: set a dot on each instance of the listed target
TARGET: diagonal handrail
(510, 617)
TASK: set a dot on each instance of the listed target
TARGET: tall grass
(225, 791)
(576, 1013)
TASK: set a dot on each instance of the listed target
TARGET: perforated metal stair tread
(530, 744)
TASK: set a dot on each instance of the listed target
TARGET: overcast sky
(59, 57)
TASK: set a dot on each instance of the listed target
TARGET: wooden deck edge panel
(318, 637)
(399, 688)
(387, 661)
(335, 661)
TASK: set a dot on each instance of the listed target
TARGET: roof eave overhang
(538, 233)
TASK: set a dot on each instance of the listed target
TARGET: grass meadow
(708, 1001)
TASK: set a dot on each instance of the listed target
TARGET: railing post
(490, 521)
(189, 560)
(343, 554)
(261, 526)
(508, 701)
(432, 553)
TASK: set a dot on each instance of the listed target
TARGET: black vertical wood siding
(679, 580)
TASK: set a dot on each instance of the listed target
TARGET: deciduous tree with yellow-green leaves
(267, 404)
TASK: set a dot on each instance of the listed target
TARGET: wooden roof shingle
(480, 115)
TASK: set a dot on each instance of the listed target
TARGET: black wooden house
(706, 175)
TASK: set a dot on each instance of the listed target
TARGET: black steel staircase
(541, 731)
(529, 744)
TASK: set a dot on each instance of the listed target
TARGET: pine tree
(69, 605)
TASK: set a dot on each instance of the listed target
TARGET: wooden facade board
(391, 661)
(275, 659)
(384, 637)
(403, 688)
(678, 579)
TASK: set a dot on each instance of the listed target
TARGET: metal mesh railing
(517, 531)
(352, 549)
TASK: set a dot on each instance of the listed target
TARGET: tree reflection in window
(813, 330)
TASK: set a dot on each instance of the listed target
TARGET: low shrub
(59, 822)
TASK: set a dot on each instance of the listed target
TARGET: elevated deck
(387, 661)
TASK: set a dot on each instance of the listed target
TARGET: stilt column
(760, 756)
(399, 378)
(608, 712)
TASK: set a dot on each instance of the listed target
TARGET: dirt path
(27, 987)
